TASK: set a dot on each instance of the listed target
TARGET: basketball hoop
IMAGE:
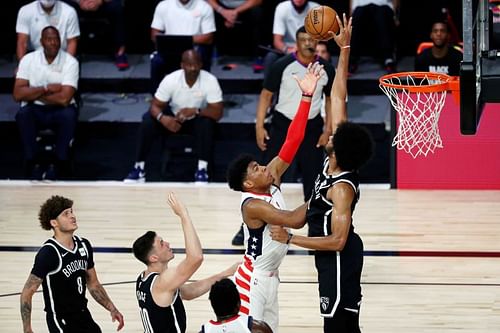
(418, 98)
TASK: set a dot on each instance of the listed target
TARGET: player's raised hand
(308, 83)
(343, 38)
(177, 206)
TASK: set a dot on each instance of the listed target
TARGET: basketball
(319, 20)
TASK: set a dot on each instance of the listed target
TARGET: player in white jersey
(225, 301)
(262, 204)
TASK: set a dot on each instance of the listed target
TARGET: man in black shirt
(65, 267)
(441, 57)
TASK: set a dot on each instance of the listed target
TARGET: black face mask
(301, 8)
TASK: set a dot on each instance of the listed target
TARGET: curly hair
(224, 297)
(143, 245)
(237, 171)
(353, 146)
(51, 209)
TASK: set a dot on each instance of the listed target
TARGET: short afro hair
(143, 246)
(51, 209)
(237, 171)
(353, 146)
(225, 298)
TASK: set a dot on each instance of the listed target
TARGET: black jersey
(449, 64)
(339, 272)
(159, 319)
(64, 275)
(320, 208)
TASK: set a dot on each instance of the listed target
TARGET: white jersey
(264, 253)
(257, 278)
(237, 324)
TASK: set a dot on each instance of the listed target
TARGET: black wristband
(290, 235)
(307, 95)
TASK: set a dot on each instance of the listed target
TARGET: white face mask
(47, 3)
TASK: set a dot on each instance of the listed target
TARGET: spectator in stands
(238, 26)
(188, 100)
(182, 17)
(35, 16)
(225, 300)
(288, 17)
(113, 10)
(374, 20)
(323, 52)
(46, 83)
(441, 57)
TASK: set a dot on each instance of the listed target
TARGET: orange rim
(445, 82)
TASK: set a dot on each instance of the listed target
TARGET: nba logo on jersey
(82, 252)
(324, 301)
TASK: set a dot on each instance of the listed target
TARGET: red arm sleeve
(295, 133)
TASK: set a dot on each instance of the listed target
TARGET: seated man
(35, 16)
(113, 10)
(182, 18)
(441, 57)
(225, 300)
(234, 19)
(375, 25)
(46, 83)
(188, 100)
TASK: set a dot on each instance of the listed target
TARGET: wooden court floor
(432, 258)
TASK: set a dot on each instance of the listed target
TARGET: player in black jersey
(160, 289)
(339, 250)
(65, 267)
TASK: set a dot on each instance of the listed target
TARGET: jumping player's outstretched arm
(338, 112)
(173, 278)
(295, 134)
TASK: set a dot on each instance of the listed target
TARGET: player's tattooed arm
(101, 296)
(30, 287)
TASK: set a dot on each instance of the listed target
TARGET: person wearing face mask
(35, 16)
(309, 156)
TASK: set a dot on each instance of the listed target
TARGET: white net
(418, 114)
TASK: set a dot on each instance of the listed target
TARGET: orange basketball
(319, 20)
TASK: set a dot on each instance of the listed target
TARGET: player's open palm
(308, 83)
(177, 206)
(343, 38)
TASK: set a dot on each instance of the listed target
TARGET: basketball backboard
(480, 68)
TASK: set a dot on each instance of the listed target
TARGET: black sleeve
(46, 260)
(272, 81)
(90, 251)
(454, 68)
(419, 63)
(330, 71)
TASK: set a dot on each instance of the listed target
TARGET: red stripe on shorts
(244, 310)
(245, 298)
(242, 284)
(243, 274)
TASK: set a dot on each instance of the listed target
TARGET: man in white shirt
(35, 16)
(46, 83)
(188, 101)
(182, 18)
